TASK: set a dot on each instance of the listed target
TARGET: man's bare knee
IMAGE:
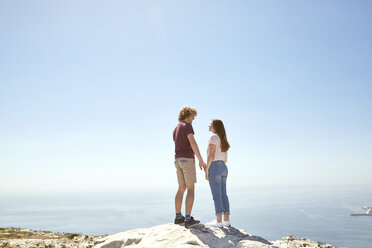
(181, 187)
(190, 187)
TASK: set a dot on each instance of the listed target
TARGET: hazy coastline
(321, 214)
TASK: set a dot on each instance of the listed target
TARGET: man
(186, 147)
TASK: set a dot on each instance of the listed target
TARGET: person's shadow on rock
(225, 236)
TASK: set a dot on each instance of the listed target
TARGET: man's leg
(179, 197)
(189, 198)
(189, 220)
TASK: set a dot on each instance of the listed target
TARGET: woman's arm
(210, 154)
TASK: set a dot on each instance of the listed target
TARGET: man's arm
(195, 149)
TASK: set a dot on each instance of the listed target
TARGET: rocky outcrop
(170, 235)
(26, 238)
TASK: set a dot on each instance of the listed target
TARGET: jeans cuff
(219, 214)
(226, 213)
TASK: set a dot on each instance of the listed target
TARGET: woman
(216, 172)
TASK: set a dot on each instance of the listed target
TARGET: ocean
(319, 213)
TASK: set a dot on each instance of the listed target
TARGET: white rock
(170, 235)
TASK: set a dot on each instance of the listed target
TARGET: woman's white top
(219, 155)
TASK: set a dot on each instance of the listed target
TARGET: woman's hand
(206, 175)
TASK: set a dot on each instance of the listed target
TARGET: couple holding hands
(215, 168)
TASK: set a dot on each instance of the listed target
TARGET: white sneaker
(214, 223)
(226, 223)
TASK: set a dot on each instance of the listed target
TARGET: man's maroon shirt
(183, 147)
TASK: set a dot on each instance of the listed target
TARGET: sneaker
(226, 223)
(191, 222)
(179, 221)
(214, 223)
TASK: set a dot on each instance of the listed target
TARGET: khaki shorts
(186, 172)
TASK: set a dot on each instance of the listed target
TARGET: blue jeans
(217, 182)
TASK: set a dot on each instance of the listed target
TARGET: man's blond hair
(186, 112)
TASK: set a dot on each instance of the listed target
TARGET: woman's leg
(215, 185)
(225, 199)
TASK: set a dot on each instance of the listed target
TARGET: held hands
(202, 165)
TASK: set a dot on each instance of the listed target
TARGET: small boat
(368, 212)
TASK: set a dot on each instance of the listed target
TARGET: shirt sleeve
(213, 139)
(189, 129)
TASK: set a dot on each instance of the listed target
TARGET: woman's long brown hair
(220, 130)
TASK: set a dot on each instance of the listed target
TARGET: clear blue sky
(90, 91)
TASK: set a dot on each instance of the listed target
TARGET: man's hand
(196, 151)
(202, 165)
